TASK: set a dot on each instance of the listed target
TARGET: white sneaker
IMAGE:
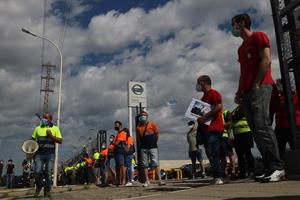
(217, 181)
(128, 184)
(277, 175)
(160, 183)
(146, 184)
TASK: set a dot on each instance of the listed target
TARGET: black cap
(191, 123)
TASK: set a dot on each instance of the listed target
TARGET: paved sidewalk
(285, 190)
(181, 190)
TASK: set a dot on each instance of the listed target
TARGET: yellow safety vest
(78, 166)
(83, 163)
(96, 156)
(227, 125)
(240, 126)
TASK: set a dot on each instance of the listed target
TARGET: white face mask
(191, 126)
(279, 87)
(198, 88)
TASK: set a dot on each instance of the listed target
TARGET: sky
(106, 43)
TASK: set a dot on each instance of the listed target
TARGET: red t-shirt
(249, 60)
(281, 117)
(213, 97)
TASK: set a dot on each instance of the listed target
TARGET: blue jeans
(212, 145)
(128, 164)
(256, 103)
(9, 180)
(43, 169)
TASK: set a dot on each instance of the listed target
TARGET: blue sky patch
(99, 7)
(226, 25)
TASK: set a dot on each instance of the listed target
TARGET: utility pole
(47, 78)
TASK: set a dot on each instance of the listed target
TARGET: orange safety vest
(88, 161)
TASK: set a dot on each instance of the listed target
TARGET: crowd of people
(115, 162)
(258, 98)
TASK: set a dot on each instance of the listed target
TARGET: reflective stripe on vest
(45, 143)
(241, 126)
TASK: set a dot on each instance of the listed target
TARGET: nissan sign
(136, 94)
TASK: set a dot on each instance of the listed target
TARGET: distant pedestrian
(128, 157)
(282, 128)
(26, 171)
(96, 165)
(147, 133)
(1, 171)
(110, 158)
(103, 163)
(10, 173)
(213, 132)
(254, 93)
(1, 167)
(195, 153)
(87, 168)
(120, 142)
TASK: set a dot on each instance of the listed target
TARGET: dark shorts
(120, 160)
(196, 155)
(103, 168)
(226, 147)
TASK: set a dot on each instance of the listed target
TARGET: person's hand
(48, 132)
(255, 86)
(237, 98)
(201, 120)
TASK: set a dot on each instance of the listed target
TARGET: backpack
(200, 136)
(128, 150)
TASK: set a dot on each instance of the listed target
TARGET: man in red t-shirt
(213, 132)
(254, 92)
(282, 127)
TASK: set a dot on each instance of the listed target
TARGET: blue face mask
(143, 118)
(44, 122)
(235, 32)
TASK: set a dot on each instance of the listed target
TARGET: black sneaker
(37, 192)
(47, 194)
(260, 177)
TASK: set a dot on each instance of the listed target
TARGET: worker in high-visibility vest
(227, 147)
(79, 170)
(69, 172)
(110, 158)
(243, 142)
(96, 166)
(103, 158)
(87, 168)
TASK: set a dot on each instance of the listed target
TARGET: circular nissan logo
(137, 89)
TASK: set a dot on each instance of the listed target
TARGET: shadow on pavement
(297, 197)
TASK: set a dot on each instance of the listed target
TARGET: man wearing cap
(46, 135)
(147, 133)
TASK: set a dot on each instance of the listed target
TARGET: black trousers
(243, 143)
(284, 136)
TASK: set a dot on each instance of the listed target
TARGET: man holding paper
(212, 132)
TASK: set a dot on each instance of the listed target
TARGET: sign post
(136, 98)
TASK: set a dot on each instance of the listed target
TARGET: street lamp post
(59, 98)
